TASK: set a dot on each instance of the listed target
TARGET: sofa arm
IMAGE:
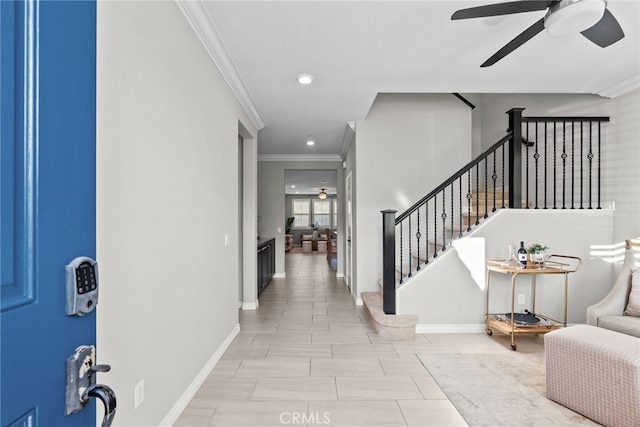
(613, 304)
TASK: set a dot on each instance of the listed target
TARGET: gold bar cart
(555, 264)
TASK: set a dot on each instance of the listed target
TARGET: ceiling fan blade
(518, 41)
(606, 31)
(502, 9)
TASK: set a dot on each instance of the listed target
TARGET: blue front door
(48, 201)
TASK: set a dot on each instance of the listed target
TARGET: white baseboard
(451, 329)
(340, 275)
(358, 301)
(280, 275)
(250, 305)
(174, 413)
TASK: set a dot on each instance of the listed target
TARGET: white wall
(167, 195)
(350, 248)
(446, 298)
(407, 145)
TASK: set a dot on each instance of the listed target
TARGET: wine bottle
(522, 254)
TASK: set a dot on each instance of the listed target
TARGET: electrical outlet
(138, 394)
(227, 240)
(521, 299)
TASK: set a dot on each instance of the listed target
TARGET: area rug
(504, 389)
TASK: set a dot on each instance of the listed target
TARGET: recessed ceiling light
(293, 186)
(305, 79)
(310, 142)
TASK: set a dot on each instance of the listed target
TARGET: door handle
(81, 384)
(108, 398)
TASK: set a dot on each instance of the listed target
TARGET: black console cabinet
(266, 262)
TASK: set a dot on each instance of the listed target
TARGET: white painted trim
(347, 138)
(279, 275)
(339, 276)
(450, 329)
(250, 305)
(359, 301)
(198, 18)
(192, 389)
(299, 158)
(620, 88)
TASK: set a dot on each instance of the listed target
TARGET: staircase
(516, 172)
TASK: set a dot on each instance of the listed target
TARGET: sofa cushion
(625, 324)
(633, 306)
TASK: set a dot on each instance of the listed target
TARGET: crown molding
(200, 21)
(620, 88)
(299, 158)
(347, 139)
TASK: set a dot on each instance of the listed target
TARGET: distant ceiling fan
(564, 17)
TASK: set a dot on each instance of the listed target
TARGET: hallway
(308, 356)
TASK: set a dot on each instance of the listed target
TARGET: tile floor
(309, 357)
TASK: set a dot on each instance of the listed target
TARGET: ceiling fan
(591, 18)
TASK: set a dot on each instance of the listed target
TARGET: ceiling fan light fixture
(573, 16)
(322, 195)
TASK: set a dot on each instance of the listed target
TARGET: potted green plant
(289, 224)
(537, 255)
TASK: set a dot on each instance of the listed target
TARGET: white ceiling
(311, 181)
(356, 49)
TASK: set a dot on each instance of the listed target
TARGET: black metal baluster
(599, 162)
(581, 165)
(486, 191)
(469, 196)
(410, 253)
(573, 168)
(452, 215)
(526, 169)
(426, 232)
(555, 173)
(444, 218)
(435, 226)
(590, 157)
(418, 235)
(546, 137)
(401, 268)
(536, 157)
(494, 178)
(503, 175)
(563, 156)
(460, 207)
(477, 194)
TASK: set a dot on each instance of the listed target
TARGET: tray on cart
(523, 318)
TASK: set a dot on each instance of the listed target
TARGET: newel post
(389, 261)
(515, 157)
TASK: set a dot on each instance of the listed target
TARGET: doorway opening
(311, 211)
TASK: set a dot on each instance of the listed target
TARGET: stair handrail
(466, 168)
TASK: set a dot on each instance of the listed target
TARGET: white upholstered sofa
(614, 311)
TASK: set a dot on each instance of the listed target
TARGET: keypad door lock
(81, 286)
